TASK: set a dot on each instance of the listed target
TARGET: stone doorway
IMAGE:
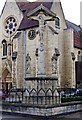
(6, 80)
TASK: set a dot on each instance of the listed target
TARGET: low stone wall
(58, 109)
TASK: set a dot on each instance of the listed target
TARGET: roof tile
(26, 23)
(77, 34)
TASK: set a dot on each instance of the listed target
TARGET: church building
(37, 41)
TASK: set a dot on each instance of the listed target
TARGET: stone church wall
(69, 79)
(10, 10)
(56, 8)
(63, 41)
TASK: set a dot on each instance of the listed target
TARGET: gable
(10, 8)
(57, 8)
(27, 23)
(53, 6)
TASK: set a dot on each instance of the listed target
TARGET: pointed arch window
(4, 43)
(57, 22)
(79, 56)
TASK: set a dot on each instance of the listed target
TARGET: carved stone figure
(28, 62)
(54, 64)
(41, 57)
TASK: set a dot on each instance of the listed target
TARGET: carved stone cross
(44, 15)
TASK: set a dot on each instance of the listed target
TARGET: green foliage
(70, 99)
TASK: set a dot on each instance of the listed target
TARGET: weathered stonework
(62, 39)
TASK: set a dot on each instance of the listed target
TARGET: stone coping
(55, 110)
(41, 106)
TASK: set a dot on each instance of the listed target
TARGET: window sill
(4, 57)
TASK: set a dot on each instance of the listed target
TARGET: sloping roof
(22, 4)
(26, 8)
(26, 23)
(77, 34)
(73, 26)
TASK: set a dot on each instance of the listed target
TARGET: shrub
(70, 99)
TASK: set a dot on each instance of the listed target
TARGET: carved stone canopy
(39, 9)
(8, 66)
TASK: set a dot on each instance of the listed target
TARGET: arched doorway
(6, 80)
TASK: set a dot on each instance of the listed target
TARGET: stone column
(55, 73)
(41, 57)
(9, 49)
(41, 61)
(73, 70)
(28, 65)
(14, 74)
(24, 58)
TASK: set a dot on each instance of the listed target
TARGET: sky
(71, 9)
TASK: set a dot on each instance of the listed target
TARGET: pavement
(75, 116)
(7, 116)
(12, 117)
